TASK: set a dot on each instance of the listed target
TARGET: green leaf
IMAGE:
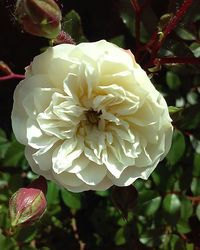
(189, 119)
(27, 234)
(14, 154)
(196, 165)
(3, 137)
(174, 242)
(120, 237)
(173, 80)
(118, 40)
(71, 200)
(173, 110)
(171, 208)
(189, 246)
(146, 239)
(186, 208)
(195, 144)
(148, 202)
(192, 97)
(103, 193)
(3, 197)
(198, 211)
(177, 149)
(171, 204)
(195, 186)
(72, 25)
(52, 193)
(185, 34)
(146, 196)
(175, 113)
(183, 227)
(195, 48)
(4, 144)
(3, 149)
(7, 243)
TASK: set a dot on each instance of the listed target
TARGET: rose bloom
(90, 117)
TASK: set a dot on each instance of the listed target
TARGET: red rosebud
(39, 17)
(28, 204)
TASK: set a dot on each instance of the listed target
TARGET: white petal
(79, 164)
(131, 174)
(89, 153)
(64, 155)
(112, 163)
(19, 115)
(44, 160)
(66, 179)
(40, 64)
(36, 138)
(103, 185)
(72, 87)
(35, 168)
(78, 189)
(92, 174)
(110, 57)
(144, 158)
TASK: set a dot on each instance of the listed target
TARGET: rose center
(93, 116)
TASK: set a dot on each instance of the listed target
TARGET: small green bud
(39, 17)
(28, 204)
(164, 20)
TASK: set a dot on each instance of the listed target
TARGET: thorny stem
(158, 41)
(177, 17)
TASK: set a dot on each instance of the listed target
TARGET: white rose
(90, 117)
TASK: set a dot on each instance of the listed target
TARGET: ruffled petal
(92, 174)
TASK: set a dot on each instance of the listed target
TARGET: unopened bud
(39, 17)
(28, 204)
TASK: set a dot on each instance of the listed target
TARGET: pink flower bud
(39, 17)
(28, 204)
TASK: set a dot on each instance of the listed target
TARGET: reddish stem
(194, 199)
(135, 5)
(138, 12)
(11, 76)
(177, 17)
(180, 60)
(167, 30)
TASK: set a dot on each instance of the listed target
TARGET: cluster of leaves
(162, 213)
